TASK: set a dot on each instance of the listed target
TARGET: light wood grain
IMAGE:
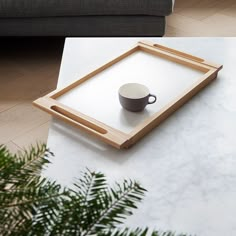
(202, 18)
(20, 119)
(39, 134)
(12, 147)
(28, 69)
(114, 137)
(85, 123)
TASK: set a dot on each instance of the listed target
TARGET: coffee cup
(135, 97)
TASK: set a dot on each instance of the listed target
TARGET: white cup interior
(133, 91)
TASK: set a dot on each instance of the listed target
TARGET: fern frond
(7, 166)
(90, 185)
(21, 187)
(22, 205)
(124, 232)
(115, 206)
(86, 205)
(23, 167)
(31, 205)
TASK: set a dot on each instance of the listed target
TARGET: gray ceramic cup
(135, 97)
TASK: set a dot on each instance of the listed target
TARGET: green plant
(32, 205)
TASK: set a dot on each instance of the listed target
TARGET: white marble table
(187, 164)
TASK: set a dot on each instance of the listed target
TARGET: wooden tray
(91, 103)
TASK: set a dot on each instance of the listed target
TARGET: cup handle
(153, 96)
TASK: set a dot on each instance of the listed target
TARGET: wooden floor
(29, 67)
(202, 18)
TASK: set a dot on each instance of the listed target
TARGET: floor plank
(19, 120)
(12, 147)
(202, 18)
(29, 69)
(218, 20)
(37, 135)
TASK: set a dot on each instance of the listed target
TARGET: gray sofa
(83, 17)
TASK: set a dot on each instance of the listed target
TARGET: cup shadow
(132, 119)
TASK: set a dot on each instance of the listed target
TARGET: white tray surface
(98, 97)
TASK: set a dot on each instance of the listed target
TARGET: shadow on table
(169, 127)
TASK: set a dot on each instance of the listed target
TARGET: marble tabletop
(187, 164)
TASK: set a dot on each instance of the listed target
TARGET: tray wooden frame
(110, 135)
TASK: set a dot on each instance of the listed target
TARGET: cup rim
(130, 84)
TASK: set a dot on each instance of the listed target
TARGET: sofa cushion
(95, 26)
(46, 8)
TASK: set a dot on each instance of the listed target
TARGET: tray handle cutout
(80, 121)
(89, 125)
